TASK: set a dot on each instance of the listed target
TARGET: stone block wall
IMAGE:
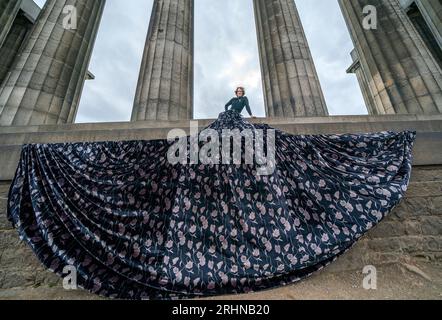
(412, 231)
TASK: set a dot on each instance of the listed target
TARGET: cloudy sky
(226, 55)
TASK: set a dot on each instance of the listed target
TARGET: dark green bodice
(238, 104)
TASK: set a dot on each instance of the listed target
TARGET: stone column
(45, 81)
(432, 12)
(12, 44)
(403, 77)
(165, 85)
(291, 84)
(8, 12)
(363, 82)
(427, 19)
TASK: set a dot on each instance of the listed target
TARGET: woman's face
(240, 93)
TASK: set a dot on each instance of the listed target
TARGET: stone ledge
(427, 151)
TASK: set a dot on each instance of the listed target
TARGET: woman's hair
(240, 88)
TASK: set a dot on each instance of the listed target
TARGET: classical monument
(397, 58)
(398, 62)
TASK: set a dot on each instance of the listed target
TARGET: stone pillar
(12, 44)
(8, 12)
(363, 82)
(403, 77)
(165, 85)
(431, 11)
(427, 19)
(45, 81)
(291, 84)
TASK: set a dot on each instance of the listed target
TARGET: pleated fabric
(135, 226)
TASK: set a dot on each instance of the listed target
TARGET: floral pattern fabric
(135, 226)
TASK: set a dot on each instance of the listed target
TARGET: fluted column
(8, 12)
(432, 13)
(291, 84)
(165, 85)
(12, 44)
(46, 79)
(363, 83)
(402, 75)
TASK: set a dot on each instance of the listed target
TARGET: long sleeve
(248, 107)
(229, 104)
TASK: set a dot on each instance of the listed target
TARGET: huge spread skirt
(134, 225)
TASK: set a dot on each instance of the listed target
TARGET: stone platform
(427, 151)
(406, 248)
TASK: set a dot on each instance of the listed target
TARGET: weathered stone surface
(291, 84)
(426, 174)
(46, 80)
(431, 226)
(8, 12)
(425, 189)
(12, 44)
(17, 278)
(4, 223)
(402, 74)
(165, 85)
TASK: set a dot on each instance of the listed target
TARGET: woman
(240, 102)
(135, 226)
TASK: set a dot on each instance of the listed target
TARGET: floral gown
(135, 226)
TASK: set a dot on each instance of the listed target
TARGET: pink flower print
(224, 278)
(211, 285)
(349, 207)
(276, 233)
(187, 203)
(287, 226)
(121, 229)
(293, 260)
(336, 230)
(338, 215)
(110, 259)
(225, 207)
(136, 250)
